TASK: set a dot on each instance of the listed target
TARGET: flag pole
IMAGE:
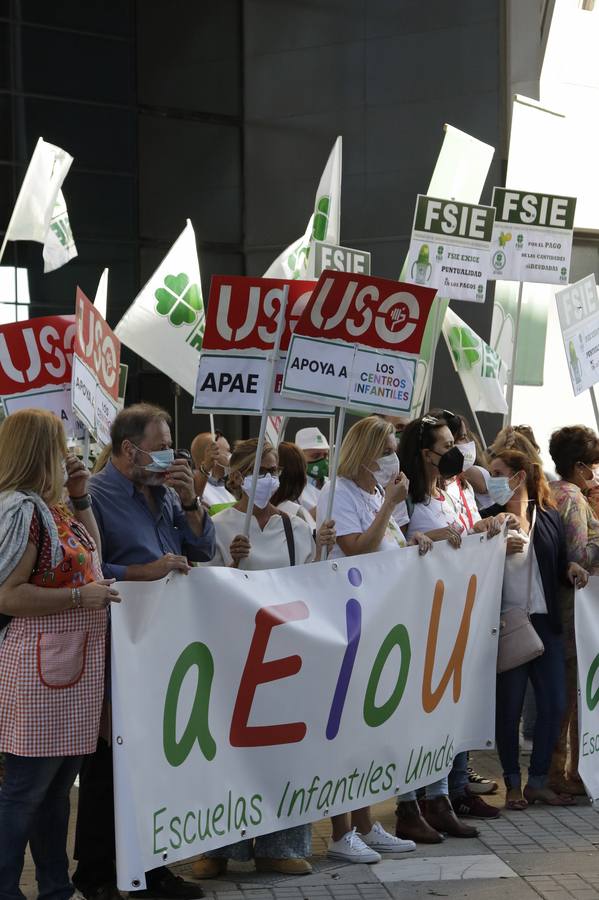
(434, 345)
(595, 407)
(4, 243)
(479, 429)
(212, 426)
(268, 403)
(177, 391)
(335, 465)
(511, 382)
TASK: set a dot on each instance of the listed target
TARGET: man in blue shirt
(151, 523)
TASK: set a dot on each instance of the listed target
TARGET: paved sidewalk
(541, 852)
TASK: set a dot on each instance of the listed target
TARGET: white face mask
(594, 481)
(267, 486)
(387, 469)
(468, 451)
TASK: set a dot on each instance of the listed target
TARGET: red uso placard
(97, 345)
(372, 312)
(36, 353)
(243, 312)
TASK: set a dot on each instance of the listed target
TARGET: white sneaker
(352, 849)
(380, 840)
(76, 895)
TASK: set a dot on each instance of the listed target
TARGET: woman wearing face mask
(430, 458)
(575, 453)
(369, 487)
(276, 540)
(536, 564)
(52, 656)
(292, 482)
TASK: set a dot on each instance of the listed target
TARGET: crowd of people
(66, 538)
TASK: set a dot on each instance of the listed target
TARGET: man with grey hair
(151, 523)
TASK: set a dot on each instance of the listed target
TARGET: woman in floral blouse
(575, 452)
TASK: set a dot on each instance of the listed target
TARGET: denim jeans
(436, 789)
(458, 777)
(547, 676)
(34, 810)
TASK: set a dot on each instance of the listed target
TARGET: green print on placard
(179, 299)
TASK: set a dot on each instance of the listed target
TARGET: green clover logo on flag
(179, 299)
(464, 347)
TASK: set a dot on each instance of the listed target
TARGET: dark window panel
(101, 205)
(77, 65)
(4, 55)
(97, 137)
(102, 16)
(5, 128)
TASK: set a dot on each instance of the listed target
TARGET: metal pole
(267, 404)
(335, 462)
(435, 342)
(507, 419)
(177, 390)
(479, 429)
(212, 427)
(595, 407)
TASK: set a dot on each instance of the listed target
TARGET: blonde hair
(364, 442)
(244, 454)
(102, 459)
(510, 438)
(32, 450)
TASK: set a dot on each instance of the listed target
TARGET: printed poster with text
(241, 326)
(450, 248)
(96, 370)
(357, 342)
(532, 236)
(578, 310)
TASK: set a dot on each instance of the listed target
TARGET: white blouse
(269, 546)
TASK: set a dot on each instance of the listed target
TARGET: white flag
(59, 246)
(324, 224)
(165, 323)
(101, 298)
(482, 371)
(40, 213)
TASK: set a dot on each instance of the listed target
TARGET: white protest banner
(587, 652)
(96, 366)
(342, 259)
(40, 213)
(578, 310)
(36, 367)
(532, 236)
(240, 329)
(165, 323)
(327, 695)
(482, 371)
(324, 224)
(450, 248)
(357, 342)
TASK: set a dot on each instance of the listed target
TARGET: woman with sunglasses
(276, 540)
(430, 459)
(52, 657)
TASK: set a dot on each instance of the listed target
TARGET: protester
(315, 448)
(52, 658)
(211, 454)
(536, 563)
(430, 458)
(575, 453)
(369, 487)
(276, 540)
(151, 523)
(292, 482)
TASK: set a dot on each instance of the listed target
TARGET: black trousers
(95, 849)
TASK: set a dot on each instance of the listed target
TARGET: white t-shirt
(435, 513)
(294, 509)
(216, 493)
(401, 514)
(517, 574)
(354, 511)
(465, 502)
(269, 547)
(310, 495)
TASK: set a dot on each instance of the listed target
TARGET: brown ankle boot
(412, 827)
(439, 814)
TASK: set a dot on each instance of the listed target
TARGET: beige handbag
(518, 640)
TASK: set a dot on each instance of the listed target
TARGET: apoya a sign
(243, 312)
(35, 354)
(372, 312)
(97, 346)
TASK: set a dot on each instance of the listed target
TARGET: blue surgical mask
(161, 459)
(499, 489)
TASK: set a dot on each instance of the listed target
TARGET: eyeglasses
(431, 422)
(275, 471)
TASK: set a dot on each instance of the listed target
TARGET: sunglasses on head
(430, 422)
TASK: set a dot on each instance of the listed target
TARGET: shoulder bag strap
(531, 557)
(288, 528)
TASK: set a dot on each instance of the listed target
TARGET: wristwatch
(193, 506)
